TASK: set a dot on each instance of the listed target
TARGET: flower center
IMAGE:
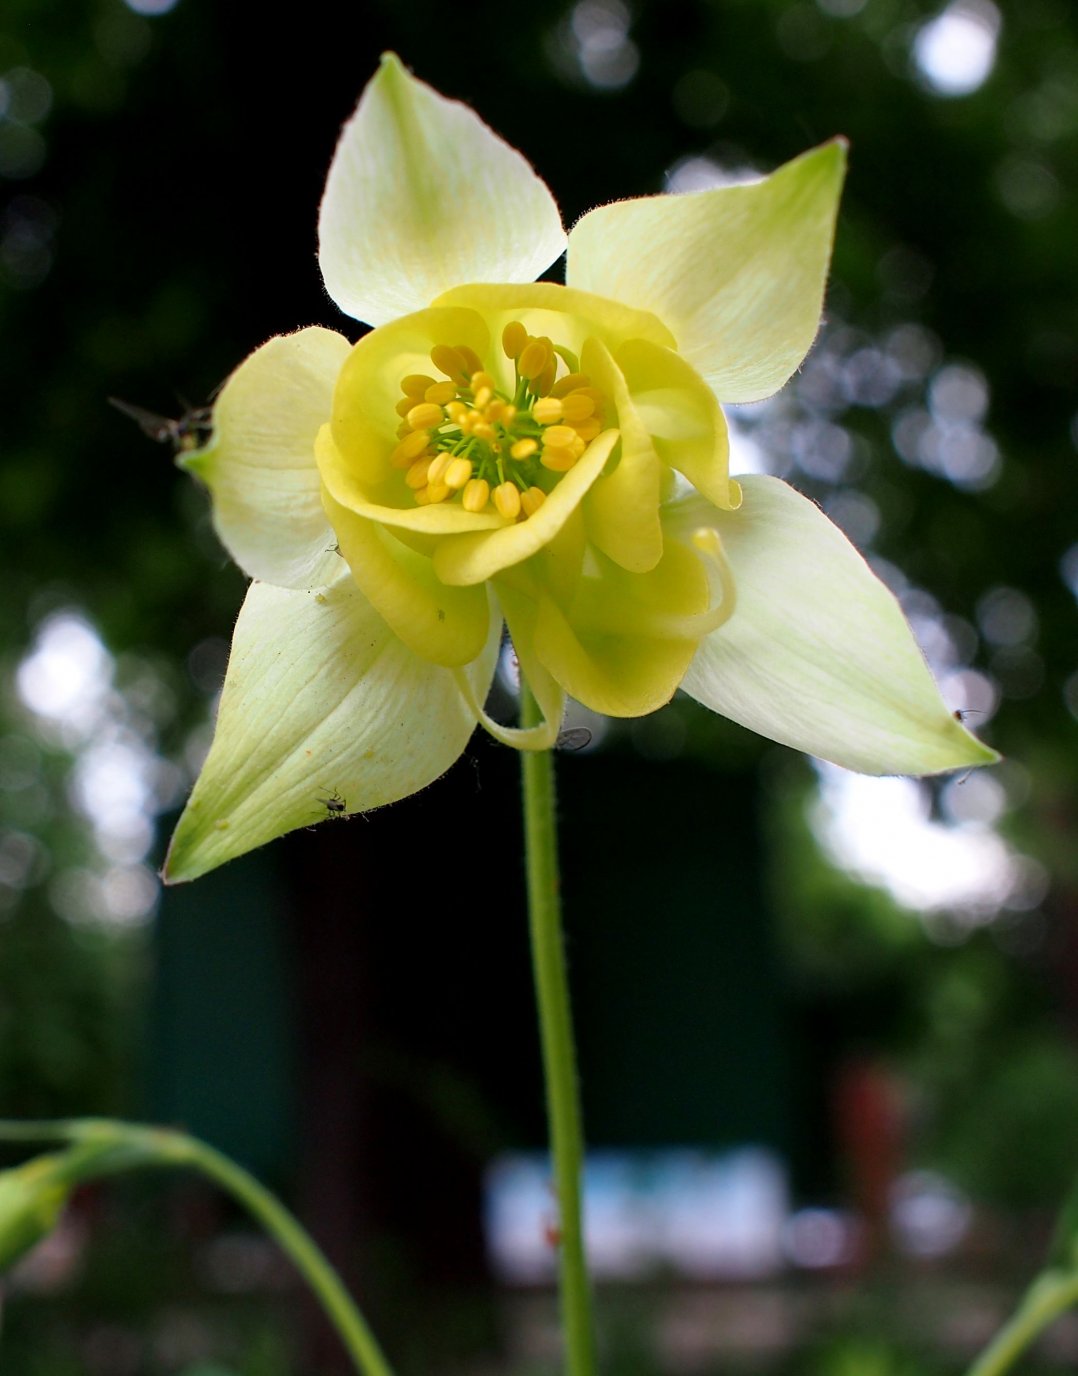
(466, 438)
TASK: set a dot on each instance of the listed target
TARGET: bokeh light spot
(151, 7)
(607, 57)
(954, 53)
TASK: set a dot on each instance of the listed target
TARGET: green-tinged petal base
(818, 654)
(322, 705)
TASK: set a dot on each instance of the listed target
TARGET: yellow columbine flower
(552, 455)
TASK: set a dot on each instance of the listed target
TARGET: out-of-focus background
(827, 1024)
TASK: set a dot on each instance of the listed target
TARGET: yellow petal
(444, 625)
(622, 676)
(599, 646)
(468, 559)
(622, 507)
(446, 518)
(680, 414)
(547, 692)
(565, 316)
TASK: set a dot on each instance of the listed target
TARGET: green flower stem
(102, 1147)
(1050, 1295)
(556, 1033)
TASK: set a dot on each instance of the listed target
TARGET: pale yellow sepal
(322, 702)
(818, 654)
(421, 194)
(737, 273)
(260, 464)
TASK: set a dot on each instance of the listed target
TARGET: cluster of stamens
(465, 437)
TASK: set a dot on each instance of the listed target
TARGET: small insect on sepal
(334, 804)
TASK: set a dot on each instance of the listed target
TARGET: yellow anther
(458, 473)
(576, 407)
(558, 460)
(562, 437)
(507, 500)
(449, 361)
(514, 338)
(472, 361)
(569, 410)
(475, 495)
(409, 448)
(545, 380)
(440, 393)
(569, 383)
(547, 410)
(439, 465)
(532, 500)
(416, 477)
(425, 416)
(534, 359)
(415, 384)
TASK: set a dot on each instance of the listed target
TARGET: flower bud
(32, 1197)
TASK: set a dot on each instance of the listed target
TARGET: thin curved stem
(103, 1147)
(1049, 1296)
(556, 1034)
(308, 1259)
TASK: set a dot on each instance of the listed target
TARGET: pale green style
(625, 560)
